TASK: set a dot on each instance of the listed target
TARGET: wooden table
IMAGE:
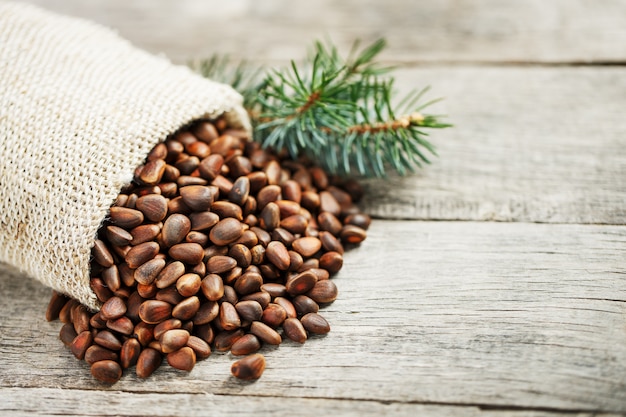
(491, 283)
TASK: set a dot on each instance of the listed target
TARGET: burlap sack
(80, 108)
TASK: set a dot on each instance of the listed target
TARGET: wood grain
(529, 144)
(484, 316)
(577, 31)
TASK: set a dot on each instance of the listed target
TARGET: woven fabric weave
(80, 108)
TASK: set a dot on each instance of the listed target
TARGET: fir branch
(339, 112)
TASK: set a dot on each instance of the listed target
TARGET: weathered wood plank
(55, 402)
(424, 31)
(488, 315)
(529, 144)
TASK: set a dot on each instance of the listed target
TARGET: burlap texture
(80, 108)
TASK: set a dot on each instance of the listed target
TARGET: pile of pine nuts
(217, 245)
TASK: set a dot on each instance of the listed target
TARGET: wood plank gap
(460, 405)
(505, 63)
(480, 406)
(435, 220)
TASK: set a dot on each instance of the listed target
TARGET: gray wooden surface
(491, 283)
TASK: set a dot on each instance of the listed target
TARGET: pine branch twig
(339, 112)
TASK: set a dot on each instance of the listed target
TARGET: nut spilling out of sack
(217, 245)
